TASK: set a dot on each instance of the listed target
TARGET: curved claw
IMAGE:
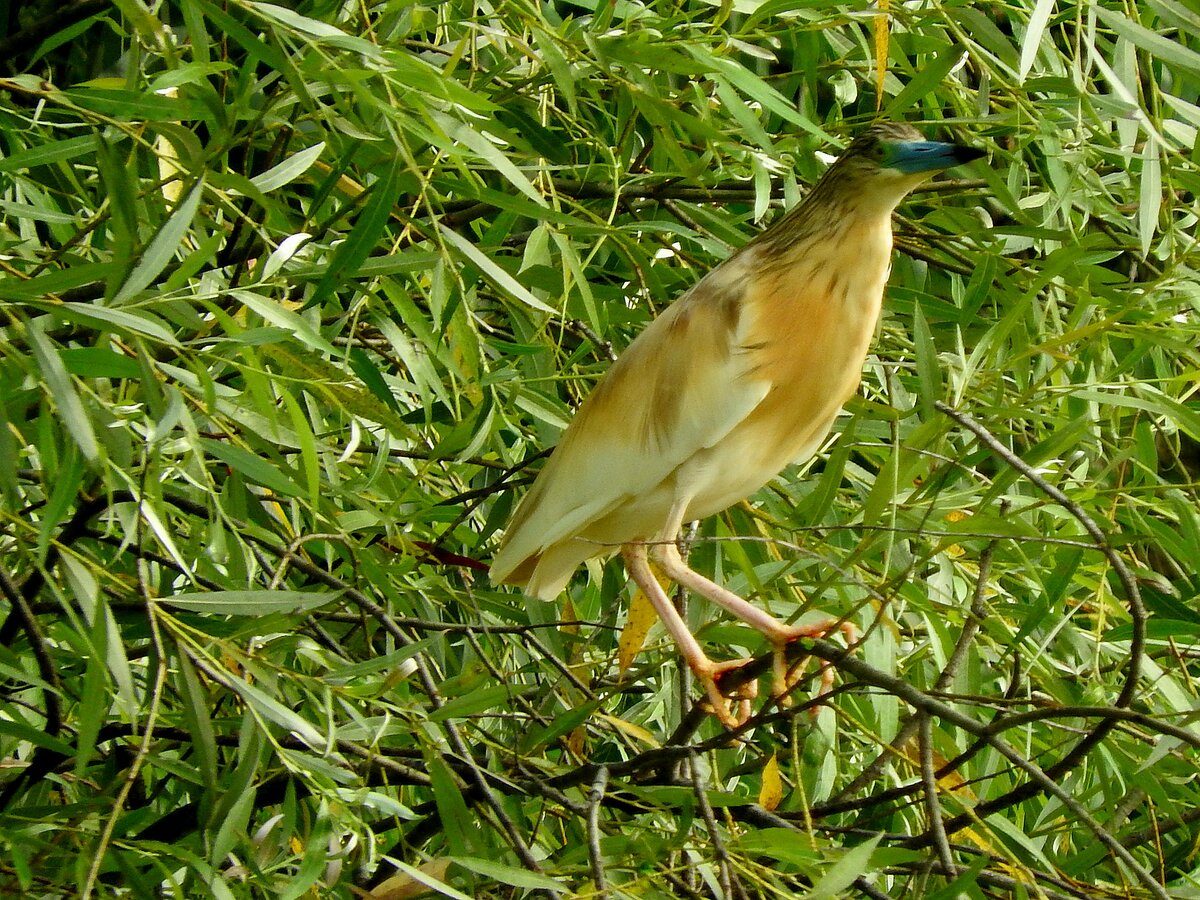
(733, 708)
(723, 705)
(785, 677)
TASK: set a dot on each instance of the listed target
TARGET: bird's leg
(778, 633)
(707, 672)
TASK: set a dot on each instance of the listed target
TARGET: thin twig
(41, 651)
(1133, 596)
(580, 327)
(1039, 778)
(725, 874)
(933, 808)
(593, 833)
(957, 659)
(152, 708)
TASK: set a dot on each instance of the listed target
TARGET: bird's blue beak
(914, 157)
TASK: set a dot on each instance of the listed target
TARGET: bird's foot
(732, 708)
(786, 676)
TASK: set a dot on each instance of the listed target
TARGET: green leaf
(252, 467)
(46, 154)
(1166, 49)
(62, 389)
(489, 268)
(480, 142)
(456, 820)
(481, 700)
(843, 873)
(366, 232)
(267, 707)
(251, 603)
(35, 736)
(288, 170)
(196, 713)
(505, 874)
(1033, 36)
(1149, 196)
(162, 248)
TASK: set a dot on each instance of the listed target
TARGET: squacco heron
(742, 375)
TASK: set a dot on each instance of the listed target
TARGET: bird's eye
(878, 151)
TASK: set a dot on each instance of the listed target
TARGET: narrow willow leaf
(929, 370)
(288, 170)
(62, 389)
(393, 660)
(287, 248)
(163, 247)
(843, 873)
(122, 321)
(280, 315)
(480, 142)
(505, 874)
(932, 73)
(563, 723)
(456, 820)
(51, 283)
(755, 88)
(481, 700)
(249, 41)
(501, 278)
(310, 463)
(48, 154)
(267, 707)
(93, 708)
(253, 467)
(118, 664)
(366, 233)
(65, 484)
(408, 883)
(1150, 196)
(1164, 48)
(1032, 40)
(250, 603)
(195, 708)
(233, 827)
(35, 736)
(323, 31)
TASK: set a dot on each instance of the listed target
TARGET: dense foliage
(291, 295)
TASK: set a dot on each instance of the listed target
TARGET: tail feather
(544, 575)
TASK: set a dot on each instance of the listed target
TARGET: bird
(740, 376)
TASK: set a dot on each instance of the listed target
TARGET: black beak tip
(963, 154)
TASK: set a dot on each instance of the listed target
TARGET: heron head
(889, 159)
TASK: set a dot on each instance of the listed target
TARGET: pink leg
(707, 672)
(777, 632)
(666, 554)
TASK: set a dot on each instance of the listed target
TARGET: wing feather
(680, 387)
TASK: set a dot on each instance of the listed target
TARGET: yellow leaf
(950, 782)
(771, 791)
(881, 51)
(956, 515)
(634, 731)
(641, 617)
(403, 886)
(577, 740)
(569, 615)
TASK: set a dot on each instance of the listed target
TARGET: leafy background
(292, 295)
